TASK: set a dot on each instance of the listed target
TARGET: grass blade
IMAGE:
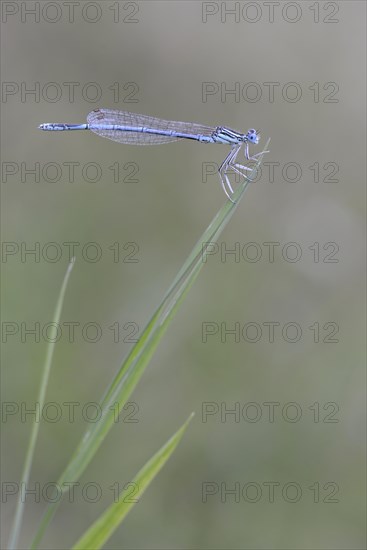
(135, 363)
(17, 522)
(102, 529)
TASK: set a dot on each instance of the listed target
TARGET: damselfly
(135, 129)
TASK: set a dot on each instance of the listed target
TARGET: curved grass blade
(17, 522)
(102, 529)
(136, 361)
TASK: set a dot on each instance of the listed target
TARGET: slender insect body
(135, 129)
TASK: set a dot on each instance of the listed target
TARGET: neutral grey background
(162, 55)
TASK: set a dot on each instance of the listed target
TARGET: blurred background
(287, 276)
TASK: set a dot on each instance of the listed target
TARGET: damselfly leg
(224, 168)
(230, 164)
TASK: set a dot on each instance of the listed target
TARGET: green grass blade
(102, 529)
(17, 522)
(191, 267)
(136, 361)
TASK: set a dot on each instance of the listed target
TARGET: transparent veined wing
(124, 119)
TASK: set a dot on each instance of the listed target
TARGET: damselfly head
(253, 136)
